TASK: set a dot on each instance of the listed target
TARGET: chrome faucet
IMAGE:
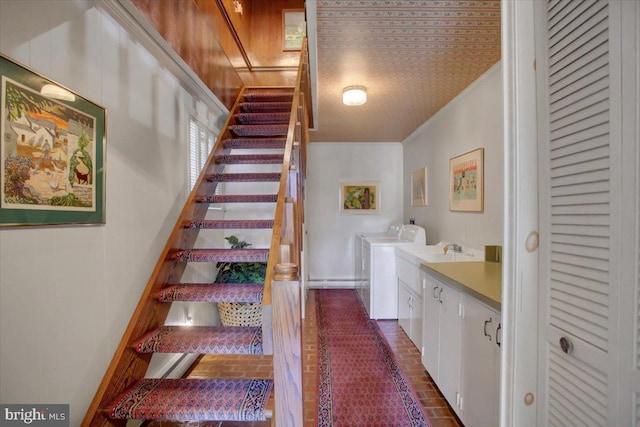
(454, 248)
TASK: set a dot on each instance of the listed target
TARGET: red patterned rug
(360, 382)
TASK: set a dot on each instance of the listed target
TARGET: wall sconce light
(354, 95)
(56, 92)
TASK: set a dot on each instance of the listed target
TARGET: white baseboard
(332, 283)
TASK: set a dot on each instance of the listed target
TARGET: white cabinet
(441, 338)
(461, 352)
(480, 365)
(410, 312)
(410, 298)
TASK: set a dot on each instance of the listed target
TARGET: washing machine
(393, 231)
(378, 288)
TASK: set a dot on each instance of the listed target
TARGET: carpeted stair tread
(244, 177)
(212, 292)
(262, 118)
(193, 400)
(268, 96)
(259, 130)
(237, 198)
(202, 340)
(220, 255)
(230, 224)
(250, 159)
(254, 143)
(253, 107)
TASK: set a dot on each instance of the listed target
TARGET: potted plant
(240, 313)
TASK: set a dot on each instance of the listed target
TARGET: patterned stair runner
(262, 118)
(254, 143)
(221, 255)
(268, 97)
(212, 292)
(259, 130)
(193, 399)
(202, 340)
(243, 177)
(238, 198)
(255, 107)
(260, 122)
(249, 159)
(230, 224)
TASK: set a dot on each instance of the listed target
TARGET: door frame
(518, 385)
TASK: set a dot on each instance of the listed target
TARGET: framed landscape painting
(466, 182)
(419, 187)
(52, 151)
(359, 198)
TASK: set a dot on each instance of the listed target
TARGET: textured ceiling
(413, 56)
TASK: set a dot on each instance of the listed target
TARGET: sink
(448, 257)
(434, 253)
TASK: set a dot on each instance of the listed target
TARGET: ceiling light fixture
(56, 92)
(354, 95)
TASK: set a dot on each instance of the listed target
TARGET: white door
(583, 227)
(480, 364)
(431, 329)
(404, 307)
(450, 333)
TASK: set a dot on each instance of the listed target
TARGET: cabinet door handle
(498, 334)
(486, 322)
(440, 296)
(435, 289)
(409, 302)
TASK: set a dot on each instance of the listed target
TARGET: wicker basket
(240, 313)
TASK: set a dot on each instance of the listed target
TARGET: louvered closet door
(577, 277)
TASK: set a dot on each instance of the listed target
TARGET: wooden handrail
(282, 287)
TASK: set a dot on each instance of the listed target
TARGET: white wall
(472, 120)
(67, 293)
(331, 235)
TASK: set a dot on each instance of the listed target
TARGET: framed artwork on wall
(294, 29)
(419, 187)
(52, 151)
(360, 198)
(466, 182)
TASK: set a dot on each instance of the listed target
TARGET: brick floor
(408, 356)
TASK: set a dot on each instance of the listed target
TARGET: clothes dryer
(378, 288)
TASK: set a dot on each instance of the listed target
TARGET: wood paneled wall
(195, 39)
(265, 37)
(225, 59)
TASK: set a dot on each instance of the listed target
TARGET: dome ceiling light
(354, 95)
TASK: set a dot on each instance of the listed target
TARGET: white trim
(332, 283)
(520, 268)
(127, 15)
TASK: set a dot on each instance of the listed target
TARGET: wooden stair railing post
(287, 338)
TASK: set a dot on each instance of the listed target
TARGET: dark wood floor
(211, 366)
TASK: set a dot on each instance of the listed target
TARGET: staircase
(270, 122)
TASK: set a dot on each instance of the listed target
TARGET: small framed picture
(359, 198)
(419, 187)
(466, 182)
(294, 29)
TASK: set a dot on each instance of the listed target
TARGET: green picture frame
(52, 151)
